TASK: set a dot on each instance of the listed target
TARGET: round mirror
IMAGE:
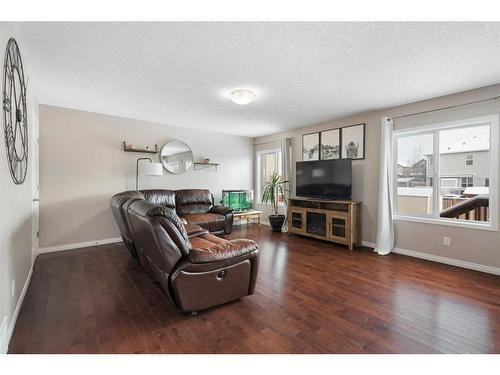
(176, 157)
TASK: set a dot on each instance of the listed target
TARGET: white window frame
(434, 218)
(469, 159)
(258, 173)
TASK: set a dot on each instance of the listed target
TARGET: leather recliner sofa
(194, 206)
(195, 268)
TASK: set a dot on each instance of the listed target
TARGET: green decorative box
(238, 200)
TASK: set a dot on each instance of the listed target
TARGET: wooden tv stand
(330, 220)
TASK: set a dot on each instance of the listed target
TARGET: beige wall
(82, 164)
(472, 245)
(15, 206)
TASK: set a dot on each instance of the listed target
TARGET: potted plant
(272, 192)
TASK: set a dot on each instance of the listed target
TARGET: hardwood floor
(311, 297)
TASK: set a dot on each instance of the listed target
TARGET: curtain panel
(385, 223)
(286, 160)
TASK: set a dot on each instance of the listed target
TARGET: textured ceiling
(303, 73)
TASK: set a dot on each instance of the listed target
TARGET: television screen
(326, 179)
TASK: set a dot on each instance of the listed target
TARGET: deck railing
(476, 208)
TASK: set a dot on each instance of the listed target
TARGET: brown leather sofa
(193, 206)
(195, 268)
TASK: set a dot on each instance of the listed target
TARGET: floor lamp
(149, 169)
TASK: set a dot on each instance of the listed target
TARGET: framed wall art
(353, 142)
(310, 146)
(330, 144)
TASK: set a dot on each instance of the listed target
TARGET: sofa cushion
(160, 196)
(210, 248)
(193, 201)
(211, 222)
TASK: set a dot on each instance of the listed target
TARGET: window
(444, 189)
(414, 199)
(449, 182)
(469, 159)
(268, 162)
(467, 182)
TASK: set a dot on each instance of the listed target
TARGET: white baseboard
(440, 259)
(77, 245)
(4, 335)
(449, 261)
(6, 340)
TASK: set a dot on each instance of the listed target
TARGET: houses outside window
(432, 182)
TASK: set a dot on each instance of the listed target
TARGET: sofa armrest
(228, 216)
(221, 210)
(216, 252)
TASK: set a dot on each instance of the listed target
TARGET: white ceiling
(303, 73)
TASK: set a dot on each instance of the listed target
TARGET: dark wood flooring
(311, 297)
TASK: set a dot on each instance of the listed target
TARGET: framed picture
(310, 146)
(330, 144)
(353, 142)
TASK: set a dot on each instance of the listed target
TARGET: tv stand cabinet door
(339, 227)
(297, 220)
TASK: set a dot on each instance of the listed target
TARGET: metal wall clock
(15, 119)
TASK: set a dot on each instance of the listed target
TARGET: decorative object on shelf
(15, 117)
(203, 165)
(310, 146)
(207, 161)
(274, 192)
(149, 169)
(176, 157)
(353, 142)
(238, 200)
(330, 144)
(146, 150)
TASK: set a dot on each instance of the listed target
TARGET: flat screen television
(324, 179)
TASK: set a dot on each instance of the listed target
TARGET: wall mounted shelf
(212, 166)
(140, 150)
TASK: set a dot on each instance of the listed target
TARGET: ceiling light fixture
(242, 97)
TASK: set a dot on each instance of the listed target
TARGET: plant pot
(276, 222)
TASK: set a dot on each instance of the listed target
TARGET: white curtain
(286, 167)
(385, 223)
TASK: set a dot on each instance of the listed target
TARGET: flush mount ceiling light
(242, 97)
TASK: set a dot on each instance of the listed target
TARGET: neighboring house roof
(415, 191)
(462, 152)
(476, 190)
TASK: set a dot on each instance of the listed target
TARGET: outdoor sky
(413, 148)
